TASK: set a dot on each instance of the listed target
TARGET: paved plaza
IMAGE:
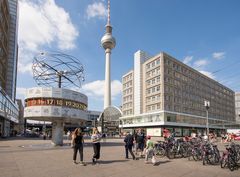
(38, 158)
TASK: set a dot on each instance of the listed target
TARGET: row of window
(128, 84)
(127, 98)
(128, 77)
(128, 112)
(153, 107)
(128, 91)
(153, 72)
(153, 64)
(153, 98)
(127, 105)
(153, 90)
(153, 81)
(237, 104)
(8, 106)
(194, 76)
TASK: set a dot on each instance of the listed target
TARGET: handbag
(73, 143)
(153, 159)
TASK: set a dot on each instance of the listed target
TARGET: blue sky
(204, 34)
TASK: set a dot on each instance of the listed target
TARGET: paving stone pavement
(21, 157)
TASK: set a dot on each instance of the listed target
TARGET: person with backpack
(128, 145)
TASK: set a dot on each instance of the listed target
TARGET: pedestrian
(77, 144)
(150, 150)
(104, 137)
(135, 145)
(96, 138)
(129, 145)
(68, 135)
(166, 134)
(140, 140)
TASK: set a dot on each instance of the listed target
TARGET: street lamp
(207, 105)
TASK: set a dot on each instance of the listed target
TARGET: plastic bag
(153, 160)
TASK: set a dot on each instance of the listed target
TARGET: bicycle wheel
(216, 158)
(195, 156)
(231, 166)
(199, 155)
(190, 154)
(170, 154)
(204, 160)
(160, 152)
(223, 162)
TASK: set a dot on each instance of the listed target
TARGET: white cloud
(208, 74)
(42, 24)
(96, 88)
(97, 9)
(187, 59)
(200, 63)
(218, 55)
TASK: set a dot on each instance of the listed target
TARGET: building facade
(8, 65)
(237, 105)
(20, 127)
(172, 94)
(11, 76)
(92, 118)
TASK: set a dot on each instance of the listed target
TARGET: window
(153, 64)
(148, 66)
(153, 81)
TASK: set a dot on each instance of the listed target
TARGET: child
(150, 150)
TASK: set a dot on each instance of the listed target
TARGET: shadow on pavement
(161, 162)
(108, 161)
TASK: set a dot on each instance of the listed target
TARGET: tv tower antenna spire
(108, 43)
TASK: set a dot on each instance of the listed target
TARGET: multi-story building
(8, 65)
(11, 75)
(128, 97)
(172, 94)
(237, 105)
(92, 118)
(20, 127)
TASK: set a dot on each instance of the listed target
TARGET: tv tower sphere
(108, 41)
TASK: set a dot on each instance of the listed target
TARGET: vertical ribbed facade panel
(139, 58)
(12, 55)
(237, 106)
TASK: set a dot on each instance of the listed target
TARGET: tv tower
(108, 43)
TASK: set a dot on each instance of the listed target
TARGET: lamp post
(207, 105)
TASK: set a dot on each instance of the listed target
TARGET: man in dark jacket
(128, 145)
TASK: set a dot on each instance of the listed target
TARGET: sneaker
(93, 161)
(75, 162)
(82, 163)
(96, 161)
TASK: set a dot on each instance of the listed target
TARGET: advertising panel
(154, 132)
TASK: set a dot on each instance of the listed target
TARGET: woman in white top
(96, 137)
